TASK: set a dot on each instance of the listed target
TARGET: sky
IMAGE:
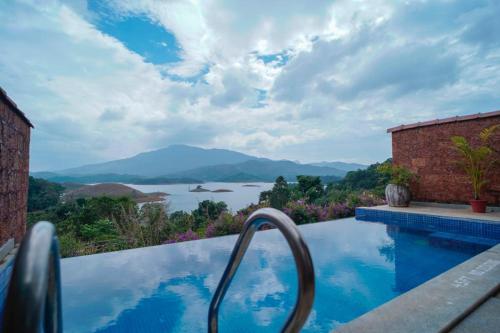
(299, 80)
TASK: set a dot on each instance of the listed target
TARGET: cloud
(278, 79)
(112, 115)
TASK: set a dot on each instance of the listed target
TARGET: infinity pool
(358, 266)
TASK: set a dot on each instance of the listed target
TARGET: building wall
(14, 166)
(428, 151)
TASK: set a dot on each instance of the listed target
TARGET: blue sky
(103, 80)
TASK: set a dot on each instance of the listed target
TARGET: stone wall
(427, 150)
(14, 166)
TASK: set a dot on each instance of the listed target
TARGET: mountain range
(341, 165)
(188, 164)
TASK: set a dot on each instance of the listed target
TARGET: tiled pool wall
(425, 222)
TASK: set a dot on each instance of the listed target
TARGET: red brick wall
(14, 166)
(428, 151)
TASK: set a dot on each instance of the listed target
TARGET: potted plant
(476, 162)
(397, 192)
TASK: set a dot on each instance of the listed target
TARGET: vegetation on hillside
(43, 194)
(101, 224)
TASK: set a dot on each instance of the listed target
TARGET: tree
(264, 197)
(43, 194)
(280, 194)
(310, 187)
(208, 210)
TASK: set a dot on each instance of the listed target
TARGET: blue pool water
(358, 266)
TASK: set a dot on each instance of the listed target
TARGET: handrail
(303, 264)
(35, 285)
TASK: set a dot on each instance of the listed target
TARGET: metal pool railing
(34, 295)
(303, 263)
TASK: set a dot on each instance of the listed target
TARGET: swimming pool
(358, 266)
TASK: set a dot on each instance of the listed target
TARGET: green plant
(476, 161)
(309, 187)
(280, 194)
(398, 174)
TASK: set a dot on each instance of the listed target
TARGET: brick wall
(14, 166)
(428, 151)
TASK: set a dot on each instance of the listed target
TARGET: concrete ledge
(438, 304)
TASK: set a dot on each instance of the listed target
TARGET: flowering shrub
(368, 199)
(182, 237)
(302, 213)
(210, 230)
(339, 210)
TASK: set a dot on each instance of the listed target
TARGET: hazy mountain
(341, 165)
(181, 163)
(112, 178)
(264, 170)
(161, 162)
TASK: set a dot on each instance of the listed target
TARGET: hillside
(112, 190)
(341, 166)
(175, 158)
(113, 178)
(257, 170)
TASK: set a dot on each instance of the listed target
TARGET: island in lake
(199, 188)
(77, 191)
(250, 185)
(222, 190)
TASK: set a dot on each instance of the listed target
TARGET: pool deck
(464, 299)
(445, 210)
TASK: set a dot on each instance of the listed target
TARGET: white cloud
(352, 69)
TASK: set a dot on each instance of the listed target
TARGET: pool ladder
(34, 294)
(303, 263)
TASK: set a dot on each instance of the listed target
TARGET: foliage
(207, 210)
(226, 224)
(399, 174)
(94, 225)
(367, 179)
(487, 135)
(265, 197)
(43, 194)
(309, 187)
(99, 230)
(181, 221)
(280, 194)
(154, 223)
(476, 161)
(183, 237)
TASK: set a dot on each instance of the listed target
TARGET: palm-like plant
(476, 161)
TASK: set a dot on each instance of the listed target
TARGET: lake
(181, 199)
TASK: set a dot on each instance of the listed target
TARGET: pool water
(358, 266)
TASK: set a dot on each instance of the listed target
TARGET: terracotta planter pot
(478, 206)
(397, 195)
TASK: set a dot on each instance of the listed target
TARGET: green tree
(154, 224)
(181, 221)
(207, 210)
(310, 187)
(264, 197)
(280, 194)
(43, 194)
